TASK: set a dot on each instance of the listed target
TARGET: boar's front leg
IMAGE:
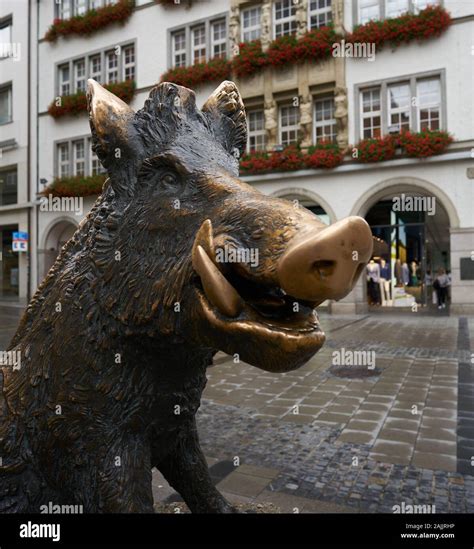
(186, 470)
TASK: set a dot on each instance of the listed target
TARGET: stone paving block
(437, 433)
(335, 409)
(426, 445)
(312, 400)
(434, 461)
(365, 426)
(356, 437)
(440, 423)
(276, 411)
(243, 485)
(446, 404)
(297, 418)
(348, 401)
(393, 448)
(390, 458)
(369, 415)
(333, 418)
(398, 435)
(402, 423)
(443, 413)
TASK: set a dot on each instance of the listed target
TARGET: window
(79, 158)
(5, 104)
(94, 4)
(178, 45)
(429, 104)
(111, 63)
(324, 120)
(371, 113)
(95, 68)
(5, 38)
(394, 8)
(110, 67)
(256, 124)
(251, 28)
(289, 124)
(398, 102)
(79, 75)
(368, 10)
(198, 38)
(320, 13)
(415, 103)
(128, 63)
(63, 160)
(95, 166)
(80, 7)
(284, 18)
(219, 39)
(64, 80)
(8, 187)
(64, 9)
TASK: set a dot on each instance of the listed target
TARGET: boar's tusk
(216, 287)
(205, 239)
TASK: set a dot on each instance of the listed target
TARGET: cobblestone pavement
(332, 439)
(366, 443)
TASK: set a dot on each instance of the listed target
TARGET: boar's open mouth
(238, 298)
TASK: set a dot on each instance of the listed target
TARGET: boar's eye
(169, 179)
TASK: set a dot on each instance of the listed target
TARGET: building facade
(341, 99)
(16, 205)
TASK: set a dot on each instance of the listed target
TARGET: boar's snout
(326, 264)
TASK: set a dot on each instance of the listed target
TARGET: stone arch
(397, 185)
(314, 197)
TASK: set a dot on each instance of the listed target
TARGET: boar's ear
(226, 110)
(114, 137)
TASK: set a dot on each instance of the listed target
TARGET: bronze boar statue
(115, 343)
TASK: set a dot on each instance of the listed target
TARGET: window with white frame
(6, 104)
(219, 39)
(63, 159)
(128, 65)
(394, 8)
(79, 75)
(95, 68)
(95, 167)
(198, 43)
(414, 103)
(79, 157)
(284, 18)
(80, 7)
(399, 105)
(111, 67)
(324, 120)
(64, 9)
(64, 80)
(371, 113)
(320, 13)
(368, 10)
(428, 93)
(289, 124)
(6, 37)
(107, 67)
(178, 46)
(251, 26)
(256, 125)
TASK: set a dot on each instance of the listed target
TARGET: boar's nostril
(324, 268)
